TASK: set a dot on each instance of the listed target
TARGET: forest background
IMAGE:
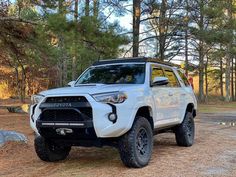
(47, 43)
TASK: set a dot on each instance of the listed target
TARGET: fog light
(112, 117)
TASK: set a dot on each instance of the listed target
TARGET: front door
(174, 93)
(161, 98)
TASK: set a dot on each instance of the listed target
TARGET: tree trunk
(95, 8)
(136, 26)
(62, 63)
(201, 73)
(17, 81)
(201, 56)
(74, 66)
(232, 79)
(87, 9)
(162, 25)
(186, 52)
(221, 79)
(186, 39)
(76, 15)
(227, 77)
(235, 80)
(23, 84)
(228, 55)
(75, 57)
(206, 81)
(65, 79)
(59, 68)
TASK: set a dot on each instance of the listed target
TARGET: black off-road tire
(135, 147)
(48, 151)
(184, 133)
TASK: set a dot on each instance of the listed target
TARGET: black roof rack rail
(133, 59)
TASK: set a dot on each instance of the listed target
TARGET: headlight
(114, 97)
(35, 99)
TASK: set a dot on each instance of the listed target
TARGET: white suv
(122, 103)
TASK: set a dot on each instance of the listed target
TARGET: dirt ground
(213, 154)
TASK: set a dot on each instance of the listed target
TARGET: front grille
(61, 115)
(71, 99)
(87, 111)
(78, 110)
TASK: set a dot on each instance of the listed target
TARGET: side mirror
(71, 83)
(160, 81)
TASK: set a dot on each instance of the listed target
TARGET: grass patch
(217, 107)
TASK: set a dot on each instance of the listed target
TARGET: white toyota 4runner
(121, 103)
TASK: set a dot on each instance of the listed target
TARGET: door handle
(171, 94)
(183, 94)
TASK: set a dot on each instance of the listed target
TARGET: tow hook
(64, 131)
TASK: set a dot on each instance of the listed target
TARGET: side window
(157, 71)
(173, 82)
(183, 77)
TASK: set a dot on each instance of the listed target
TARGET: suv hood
(86, 89)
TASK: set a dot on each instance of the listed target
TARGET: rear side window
(173, 81)
(183, 77)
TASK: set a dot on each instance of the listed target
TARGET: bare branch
(147, 38)
(149, 18)
(128, 51)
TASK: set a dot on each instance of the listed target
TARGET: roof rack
(133, 59)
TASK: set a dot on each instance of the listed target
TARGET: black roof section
(134, 59)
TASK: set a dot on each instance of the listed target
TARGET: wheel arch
(146, 112)
(190, 108)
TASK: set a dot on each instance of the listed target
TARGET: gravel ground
(213, 154)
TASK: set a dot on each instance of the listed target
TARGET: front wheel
(135, 147)
(184, 133)
(49, 151)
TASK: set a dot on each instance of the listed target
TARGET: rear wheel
(184, 133)
(49, 151)
(135, 147)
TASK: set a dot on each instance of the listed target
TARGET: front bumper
(99, 124)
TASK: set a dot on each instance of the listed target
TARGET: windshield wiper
(90, 84)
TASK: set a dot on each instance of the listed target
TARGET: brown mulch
(213, 154)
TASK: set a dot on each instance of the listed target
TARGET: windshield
(114, 74)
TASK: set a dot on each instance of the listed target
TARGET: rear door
(187, 94)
